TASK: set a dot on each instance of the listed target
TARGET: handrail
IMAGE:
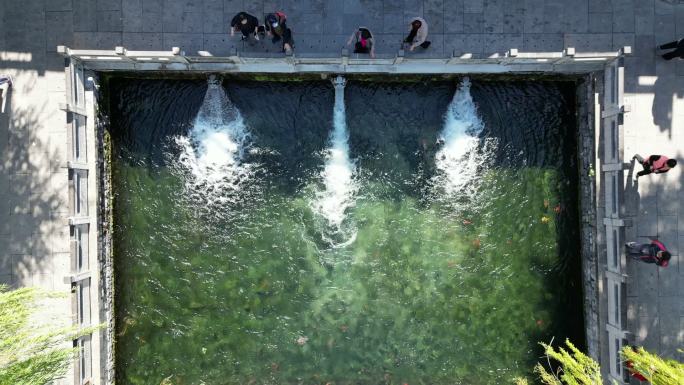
(513, 60)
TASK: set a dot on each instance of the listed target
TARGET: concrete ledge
(79, 221)
(120, 59)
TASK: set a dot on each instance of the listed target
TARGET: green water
(432, 289)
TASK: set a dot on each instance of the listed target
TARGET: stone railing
(612, 269)
(84, 276)
(606, 334)
(566, 61)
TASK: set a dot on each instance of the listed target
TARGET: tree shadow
(631, 192)
(34, 236)
(664, 90)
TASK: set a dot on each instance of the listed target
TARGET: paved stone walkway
(33, 202)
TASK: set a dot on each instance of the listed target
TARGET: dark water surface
(238, 279)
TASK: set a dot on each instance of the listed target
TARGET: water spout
(213, 79)
(457, 159)
(213, 150)
(337, 175)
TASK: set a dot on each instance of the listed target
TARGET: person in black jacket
(245, 23)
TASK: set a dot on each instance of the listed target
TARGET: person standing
(276, 27)
(678, 52)
(418, 32)
(654, 252)
(654, 164)
(364, 41)
(245, 23)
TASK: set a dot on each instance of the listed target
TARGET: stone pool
(386, 230)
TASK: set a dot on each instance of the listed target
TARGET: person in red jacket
(654, 252)
(655, 163)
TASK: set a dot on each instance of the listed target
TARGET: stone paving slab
(33, 202)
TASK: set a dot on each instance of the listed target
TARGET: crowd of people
(275, 26)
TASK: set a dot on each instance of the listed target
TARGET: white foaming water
(213, 150)
(339, 169)
(457, 159)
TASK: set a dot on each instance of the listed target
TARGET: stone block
(394, 23)
(58, 5)
(679, 19)
(414, 8)
(647, 333)
(152, 15)
(514, 17)
(671, 335)
(61, 264)
(213, 17)
(310, 23)
(664, 28)
(108, 5)
(23, 268)
(647, 282)
(667, 194)
(646, 305)
(60, 25)
(220, 44)
(534, 16)
(433, 7)
(473, 6)
(59, 240)
(232, 7)
(43, 281)
(5, 257)
(464, 43)
(389, 5)
(542, 42)
(296, 6)
(576, 16)
(600, 6)
(188, 42)
(669, 283)
(132, 13)
(274, 5)
(97, 40)
(492, 14)
(473, 23)
(644, 21)
(644, 46)
(434, 15)
(191, 22)
(109, 21)
(334, 24)
(671, 306)
(142, 41)
(589, 42)
(600, 22)
(554, 21)
(623, 15)
(501, 42)
(667, 232)
(172, 15)
(621, 40)
(647, 226)
(85, 15)
(453, 16)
